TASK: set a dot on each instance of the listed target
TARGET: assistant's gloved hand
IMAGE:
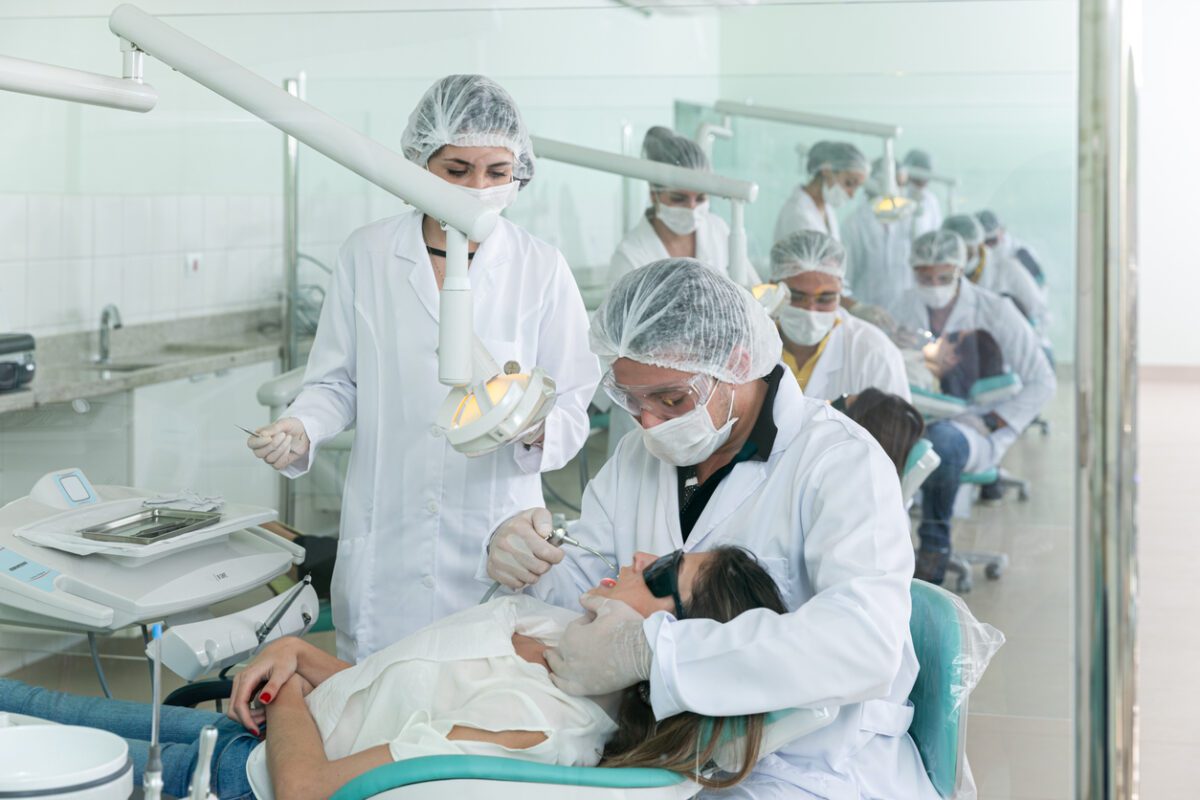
(876, 316)
(281, 442)
(519, 553)
(602, 652)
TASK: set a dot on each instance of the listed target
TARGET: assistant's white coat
(642, 246)
(800, 213)
(415, 511)
(877, 254)
(858, 356)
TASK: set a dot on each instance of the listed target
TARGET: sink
(123, 366)
(201, 348)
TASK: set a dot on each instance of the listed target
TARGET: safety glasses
(662, 579)
(666, 401)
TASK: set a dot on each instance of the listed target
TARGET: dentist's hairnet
(938, 247)
(468, 111)
(667, 147)
(838, 156)
(807, 251)
(965, 226)
(919, 163)
(679, 314)
(990, 222)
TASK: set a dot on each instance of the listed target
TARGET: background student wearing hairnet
(830, 352)
(835, 171)
(415, 511)
(997, 237)
(877, 251)
(943, 303)
(929, 211)
(730, 452)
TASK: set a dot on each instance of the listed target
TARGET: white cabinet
(184, 435)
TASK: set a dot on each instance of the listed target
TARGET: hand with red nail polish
(264, 697)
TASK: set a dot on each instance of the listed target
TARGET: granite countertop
(146, 354)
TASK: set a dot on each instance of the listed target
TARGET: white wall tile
(216, 222)
(138, 289)
(108, 234)
(14, 227)
(164, 224)
(59, 294)
(108, 277)
(45, 226)
(192, 287)
(214, 275)
(13, 278)
(77, 220)
(137, 225)
(241, 229)
(191, 223)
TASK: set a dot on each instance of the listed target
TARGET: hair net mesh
(938, 247)
(807, 251)
(990, 222)
(679, 314)
(667, 147)
(838, 156)
(468, 111)
(918, 161)
(965, 226)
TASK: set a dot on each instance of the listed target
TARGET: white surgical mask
(835, 195)
(689, 439)
(805, 327)
(679, 220)
(496, 197)
(936, 297)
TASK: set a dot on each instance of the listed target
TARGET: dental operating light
(738, 192)
(486, 407)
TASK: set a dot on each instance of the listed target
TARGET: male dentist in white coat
(729, 451)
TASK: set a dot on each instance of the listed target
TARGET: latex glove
(519, 554)
(603, 652)
(261, 680)
(281, 442)
(874, 315)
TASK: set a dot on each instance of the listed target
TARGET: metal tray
(150, 526)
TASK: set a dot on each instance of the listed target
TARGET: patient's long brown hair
(727, 585)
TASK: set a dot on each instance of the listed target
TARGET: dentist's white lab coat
(800, 213)
(877, 256)
(414, 510)
(977, 308)
(1006, 276)
(823, 514)
(641, 246)
(929, 213)
(858, 356)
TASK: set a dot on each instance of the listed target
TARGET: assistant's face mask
(496, 197)
(689, 439)
(936, 297)
(805, 327)
(835, 195)
(678, 219)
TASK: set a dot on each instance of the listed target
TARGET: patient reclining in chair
(475, 682)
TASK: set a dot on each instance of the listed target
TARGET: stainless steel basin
(124, 366)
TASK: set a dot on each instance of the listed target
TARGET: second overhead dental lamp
(487, 406)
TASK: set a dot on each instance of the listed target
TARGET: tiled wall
(64, 257)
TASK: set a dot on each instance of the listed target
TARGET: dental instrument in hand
(558, 537)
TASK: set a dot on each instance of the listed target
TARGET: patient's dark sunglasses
(662, 579)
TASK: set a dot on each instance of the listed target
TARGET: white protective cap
(679, 314)
(938, 247)
(468, 111)
(965, 226)
(807, 251)
(667, 147)
(838, 156)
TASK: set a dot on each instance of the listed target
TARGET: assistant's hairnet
(667, 147)
(679, 314)
(919, 163)
(990, 222)
(965, 226)
(468, 111)
(838, 156)
(938, 247)
(807, 251)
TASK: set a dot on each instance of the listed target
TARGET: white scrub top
(978, 308)
(414, 510)
(1006, 276)
(800, 213)
(858, 356)
(877, 257)
(641, 246)
(824, 516)
(929, 213)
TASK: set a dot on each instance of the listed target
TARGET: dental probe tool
(558, 537)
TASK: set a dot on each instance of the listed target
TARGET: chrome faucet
(110, 320)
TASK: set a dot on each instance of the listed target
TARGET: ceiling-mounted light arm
(708, 133)
(62, 83)
(791, 117)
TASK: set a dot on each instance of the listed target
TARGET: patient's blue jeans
(179, 733)
(938, 492)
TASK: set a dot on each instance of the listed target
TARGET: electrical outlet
(192, 263)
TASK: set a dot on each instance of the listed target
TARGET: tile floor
(1020, 741)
